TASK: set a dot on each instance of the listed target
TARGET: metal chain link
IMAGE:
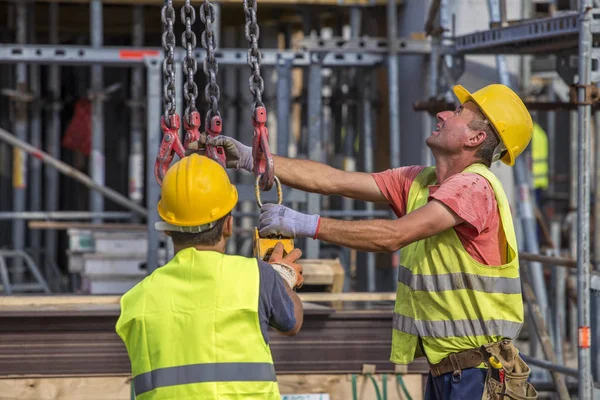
(212, 93)
(255, 83)
(168, 42)
(188, 41)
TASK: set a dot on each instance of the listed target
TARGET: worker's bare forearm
(365, 235)
(306, 175)
(314, 177)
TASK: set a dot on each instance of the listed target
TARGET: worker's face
(452, 132)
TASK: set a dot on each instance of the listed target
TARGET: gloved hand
(237, 155)
(287, 267)
(276, 219)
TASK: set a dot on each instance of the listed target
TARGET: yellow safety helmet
(195, 193)
(507, 114)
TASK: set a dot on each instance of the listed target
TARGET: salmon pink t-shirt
(469, 195)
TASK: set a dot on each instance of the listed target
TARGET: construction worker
(539, 160)
(459, 295)
(196, 328)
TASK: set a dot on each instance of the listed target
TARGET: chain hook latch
(261, 154)
(192, 128)
(213, 129)
(170, 144)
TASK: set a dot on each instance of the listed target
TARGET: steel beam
(62, 215)
(20, 157)
(583, 202)
(284, 103)
(315, 141)
(541, 35)
(136, 157)
(153, 138)
(129, 56)
(53, 134)
(97, 81)
(366, 45)
(35, 132)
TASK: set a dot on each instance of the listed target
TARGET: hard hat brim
(463, 95)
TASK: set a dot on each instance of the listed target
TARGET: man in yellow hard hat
(459, 294)
(196, 328)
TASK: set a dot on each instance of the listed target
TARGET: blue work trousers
(468, 386)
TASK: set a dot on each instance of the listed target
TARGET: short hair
(485, 152)
(204, 238)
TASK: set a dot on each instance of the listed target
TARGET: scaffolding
(568, 35)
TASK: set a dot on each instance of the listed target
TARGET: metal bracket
(592, 94)
(454, 72)
(366, 45)
(566, 67)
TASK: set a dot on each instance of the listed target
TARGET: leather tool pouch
(514, 370)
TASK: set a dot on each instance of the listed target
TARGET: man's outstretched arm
(364, 235)
(306, 175)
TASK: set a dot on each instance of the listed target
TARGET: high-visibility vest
(539, 155)
(192, 331)
(447, 298)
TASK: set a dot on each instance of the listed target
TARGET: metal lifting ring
(257, 191)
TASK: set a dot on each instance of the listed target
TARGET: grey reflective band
(457, 281)
(460, 328)
(200, 373)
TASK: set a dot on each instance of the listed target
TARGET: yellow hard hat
(195, 193)
(507, 114)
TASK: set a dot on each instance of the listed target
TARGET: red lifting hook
(170, 144)
(263, 161)
(213, 128)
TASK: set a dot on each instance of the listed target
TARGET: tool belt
(507, 372)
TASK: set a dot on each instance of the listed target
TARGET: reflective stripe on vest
(201, 373)
(445, 329)
(181, 326)
(444, 296)
(457, 281)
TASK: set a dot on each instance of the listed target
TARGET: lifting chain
(191, 118)
(263, 167)
(170, 121)
(212, 93)
(263, 161)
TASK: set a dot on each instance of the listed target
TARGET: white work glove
(237, 155)
(276, 219)
(287, 266)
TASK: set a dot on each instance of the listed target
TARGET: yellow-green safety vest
(539, 155)
(192, 331)
(447, 298)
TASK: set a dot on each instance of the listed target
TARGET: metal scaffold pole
(53, 134)
(97, 79)
(136, 156)
(583, 202)
(19, 157)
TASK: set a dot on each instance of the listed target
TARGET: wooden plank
(237, 2)
(339, 387)
(24, 302)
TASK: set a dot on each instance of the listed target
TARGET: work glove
(276, 219)
(287, 266)
(237, 155)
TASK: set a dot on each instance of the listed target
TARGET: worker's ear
(476, 138)
(228, 227)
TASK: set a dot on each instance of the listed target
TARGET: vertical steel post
(394, 102)
(559, 286)
(136, 157)
(284, 102)
(572, 219)
(551, 131)
(153, 113)
(315, 143)
(97, 80)
(596, 177)
(35, 129)
(20, 157)
(53, 134)
(583, 202)
(367, 151)
(526, 215)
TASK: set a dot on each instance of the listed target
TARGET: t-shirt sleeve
(276, 307)
(471, 197)
(395, 184)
